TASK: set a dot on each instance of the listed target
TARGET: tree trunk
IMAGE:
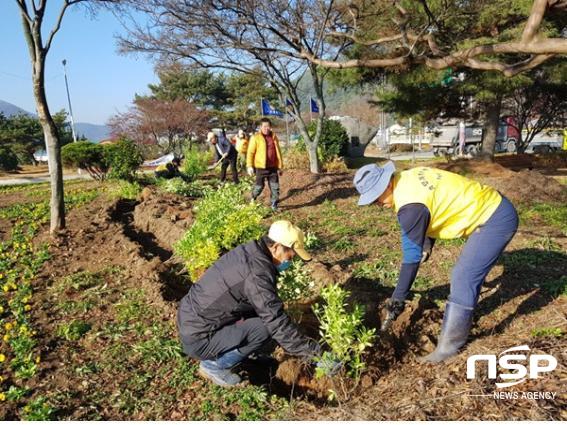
(491, 129)
(311, 146)
(57, 202)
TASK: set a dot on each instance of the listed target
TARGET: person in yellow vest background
(565, 139)
(436, 204)
(264, 158)
(241, 146)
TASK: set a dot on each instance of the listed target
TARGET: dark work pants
(231, 160)
(248, 335)
(270, 174)
(480, 253)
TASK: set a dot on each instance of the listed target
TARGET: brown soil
(165, 216)
(138, 236)
(524, 186)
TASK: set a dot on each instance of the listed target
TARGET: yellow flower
(6, 337)
(2, 396)
(2, 358)
(37, 359)
(1, 309)
(8, 326)
(6, 288)
(27, 307)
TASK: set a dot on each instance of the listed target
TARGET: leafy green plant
(223, 220)
(342, 330)
(195, 162)
(380, 270)
(38, 410)
(295, 283)
(123, 158)
(542, 332)
(312, 241)
(73, 330)
(16, 393)
(125, 190)
(181, 187)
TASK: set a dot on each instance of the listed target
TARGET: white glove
(250, 171)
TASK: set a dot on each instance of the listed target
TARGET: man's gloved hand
(328, 365)
(425, 256)
(393, 309)
(250, 171)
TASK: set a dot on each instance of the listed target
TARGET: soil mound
(525, 186)
(166, 216)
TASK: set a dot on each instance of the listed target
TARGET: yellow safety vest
(457, 205)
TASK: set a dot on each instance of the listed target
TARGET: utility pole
(69, 100)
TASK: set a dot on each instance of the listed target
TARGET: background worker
(226, 153)
(241, 146)
(437, 204)
(264, 158)
(234, 309)
(169, 170)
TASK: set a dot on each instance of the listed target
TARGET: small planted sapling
(343, 331)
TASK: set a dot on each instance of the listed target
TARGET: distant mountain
(93, 132)
(9, 109)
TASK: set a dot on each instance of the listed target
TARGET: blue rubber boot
(457, 323)
(218, 371)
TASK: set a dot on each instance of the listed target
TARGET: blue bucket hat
(371, 181)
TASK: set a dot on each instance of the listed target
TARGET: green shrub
(8, 159)
(125, 190)
(180, 187)
(295, 283)
(195, 162)
(342, 330)
(73, 330)
(223, 220)
(123, 159)
(333, 141)
(86, 155)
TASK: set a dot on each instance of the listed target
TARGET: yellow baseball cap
(282, 231)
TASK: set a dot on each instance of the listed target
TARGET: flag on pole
(314, 107)
(267, 109)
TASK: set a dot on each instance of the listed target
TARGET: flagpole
(310, 109)
(286, 123)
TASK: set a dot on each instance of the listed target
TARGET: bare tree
(165, 122)
(243, 36)
(33, 13)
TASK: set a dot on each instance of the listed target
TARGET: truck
(446, 139)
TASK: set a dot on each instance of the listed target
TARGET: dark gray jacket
(241, 284)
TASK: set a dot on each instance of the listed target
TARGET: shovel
(215, 165)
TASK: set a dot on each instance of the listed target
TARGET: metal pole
(69, 100)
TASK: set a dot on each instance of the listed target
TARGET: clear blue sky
(101, 81)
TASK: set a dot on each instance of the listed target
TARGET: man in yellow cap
(234, 309)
